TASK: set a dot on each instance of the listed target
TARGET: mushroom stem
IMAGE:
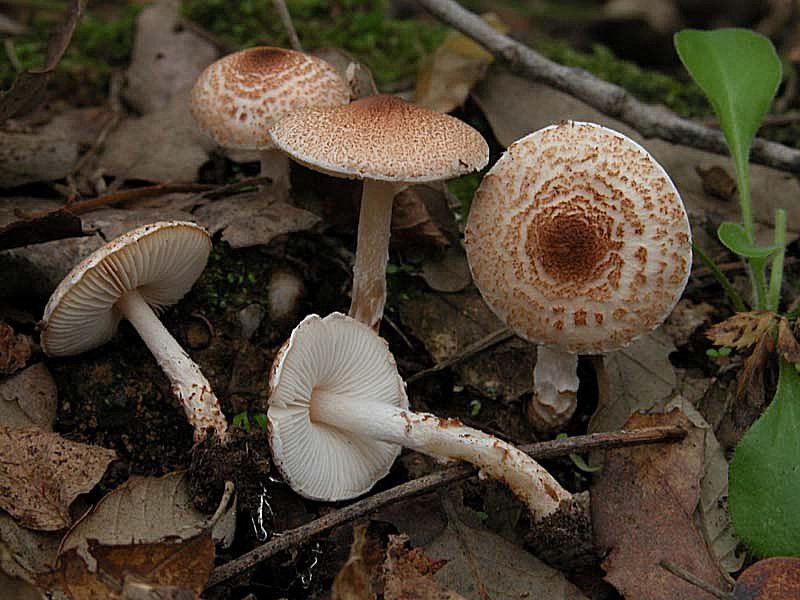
(372, 252)
(275, 165)
(187, 381)
(444, 438)
(555, 388)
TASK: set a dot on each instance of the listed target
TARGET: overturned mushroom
(239, 97)
(579, 241)
(148, 268)
(388, 143)
(338, 417)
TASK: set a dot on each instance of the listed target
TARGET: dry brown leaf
(447, 76)
(411, 220)
(717, 182)
(787, 342)
(751, 378)
(686, 318)
(776, 578)
(742, 330)
(28, 89)
(143, 510)
(36, 156)
(253, 219)
(184, 564)
(642, 511)
(42, 473)
(356, 578)
(26, 554)
(448, 274)
(15, 350)
(29, 398)
(407, 574)
(167, 57)
(16, 232)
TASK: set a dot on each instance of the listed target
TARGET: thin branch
(612, 100)
(551, 449)
(286, 18)
(689, 577)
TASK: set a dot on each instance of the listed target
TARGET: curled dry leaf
(42, 473)
(751, 377)
(408, 573)
(773, 578)
(15, 350)
(742, 330)
(787, 342)
(182, 564)
(29, 398)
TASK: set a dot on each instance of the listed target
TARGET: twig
(501, 335)
(551, 449)
(286, 18)
(694, 580)
(11, 53)
(612, 100)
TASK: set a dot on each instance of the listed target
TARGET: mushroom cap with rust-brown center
(239, 97)
(578, 239)
(383, 138)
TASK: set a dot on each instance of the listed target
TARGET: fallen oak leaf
(27, 90)
(742, 330)
(42, 473)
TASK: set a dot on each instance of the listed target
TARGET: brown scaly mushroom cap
(239, 97)
(579, 241)
(382, 138)
(387, 142)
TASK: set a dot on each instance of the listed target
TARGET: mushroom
(388, 143)
(239, 97)
(579, 241)
(146, 269)
(338, 416)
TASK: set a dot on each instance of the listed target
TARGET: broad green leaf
(764, 486)
(734, 237)
(739, 71)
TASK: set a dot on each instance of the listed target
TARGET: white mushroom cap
(334, 356)
(238, 98)
(161, 261)
(578, 239)
(383, 138)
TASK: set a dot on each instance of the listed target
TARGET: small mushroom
(388, 143)
(338, 417)
(146, 269)
(239, 97)
(579, 241)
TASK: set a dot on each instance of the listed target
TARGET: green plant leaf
(735, 238)
(764, 476)
(739, 71)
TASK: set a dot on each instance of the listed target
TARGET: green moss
(98, 45)
(686, 99)
(391, 47)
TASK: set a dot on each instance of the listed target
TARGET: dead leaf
(358, 76)
(787, 342)
(642, 511)
(29, 398)
(167, 57)
(183, 564)
(28, 89)
(639, 377)
(19, 589)
(481, 564)
(37, 156)
(42, 473)
(712, 515)
(357, 577)
(408, 573)
(448, 324)
(775, 578)
(448, 274)
(716, 181)
(26, 554)
(37, 269)
(143, 510)
(165, 145)
(253, 219)
(447, 76)
(113, 222)
(412, 224)
(685, 319)
(663, 16)
(742, 330)
(16, 231)
(751, 377)
(506, 100)
(15, 350)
